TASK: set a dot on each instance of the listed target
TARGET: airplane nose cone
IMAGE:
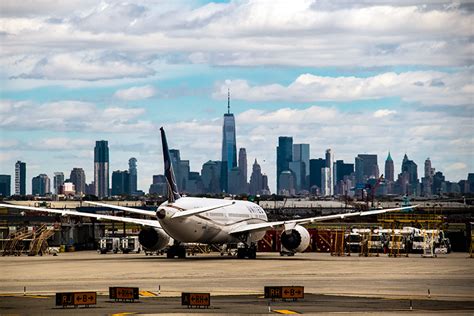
(161, 213)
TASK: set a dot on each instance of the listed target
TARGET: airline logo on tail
(173, 193)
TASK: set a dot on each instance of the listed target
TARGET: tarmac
(361, 285)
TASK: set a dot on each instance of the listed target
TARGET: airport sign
(124, 293)
(76, 298)
(196, 299)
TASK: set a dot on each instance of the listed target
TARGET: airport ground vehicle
(109, 244)
(130, 244)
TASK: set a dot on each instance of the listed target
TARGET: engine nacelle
(153, 239)
(296, 239)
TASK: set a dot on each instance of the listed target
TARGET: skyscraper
(366, 167)
(411, 168)
(78, 178)
(301, 153)
(300, 165)
(343, 169)
(41, 185)
(229, 146)
(5, 185)
(427, 180)
(58, 182)
(326, 182)
(243, 170)
(287, 183)
(211, 175)
(315, 166)
(132, 170)
(331, 173)
(120, 182)
(389, 169)
(101, 168)
(284, 156)
(20, 178)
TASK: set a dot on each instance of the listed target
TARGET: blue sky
(356, 77)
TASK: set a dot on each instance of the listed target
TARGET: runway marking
(284, 311)
(148, 294)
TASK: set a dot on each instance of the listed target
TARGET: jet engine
(153, 239)
(296, 239)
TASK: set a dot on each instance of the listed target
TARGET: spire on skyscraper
(228, 101)
(389, 157)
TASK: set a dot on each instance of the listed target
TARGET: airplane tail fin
(173, 193)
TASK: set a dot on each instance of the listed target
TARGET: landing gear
(176, 251)
(247, 252)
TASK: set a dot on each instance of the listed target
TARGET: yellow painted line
(122, 314)
(285, 311)
(147, 294)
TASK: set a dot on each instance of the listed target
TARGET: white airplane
(209, 221)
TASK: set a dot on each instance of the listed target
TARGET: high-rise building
(20, 178)
(366, 167)
(284, 156)
(78, 178)
(427, 180)
(258, 181)
(120, 182)
(5, 185)
(300, 165)
(326, 182)
(234, 178)
(411, 168)
(297, 168)
(301, 153)
(181, 169)
(159, 185)
(343, 169)
(287, 183)
(315, 166)
(332, 178)
(41, 185)
(58, 182)
(389, 169)
(229, 144)
(101, 168)
(243, 170)
(211, 175)
(132, 170)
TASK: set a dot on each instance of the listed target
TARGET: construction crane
(373, 189)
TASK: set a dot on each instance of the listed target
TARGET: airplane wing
(123, 208)
(292, 223)
(138, 221)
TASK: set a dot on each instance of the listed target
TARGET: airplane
(208, 221)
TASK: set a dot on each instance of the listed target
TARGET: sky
(356, 77)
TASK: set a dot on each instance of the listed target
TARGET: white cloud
(426, 87)
(300, 33)
(75, 67)
(70, 115)
(136, 93)
(383, 113)
(457, 166)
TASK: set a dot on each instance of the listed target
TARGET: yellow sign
(196, 299)
(85, 298)
(292, 292)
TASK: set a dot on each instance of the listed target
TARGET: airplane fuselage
(211, 226)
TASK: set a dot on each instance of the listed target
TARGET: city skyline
(357, 79)
(369, 170)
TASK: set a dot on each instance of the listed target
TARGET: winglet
(173, 193)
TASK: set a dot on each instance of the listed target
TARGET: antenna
(228, 101)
